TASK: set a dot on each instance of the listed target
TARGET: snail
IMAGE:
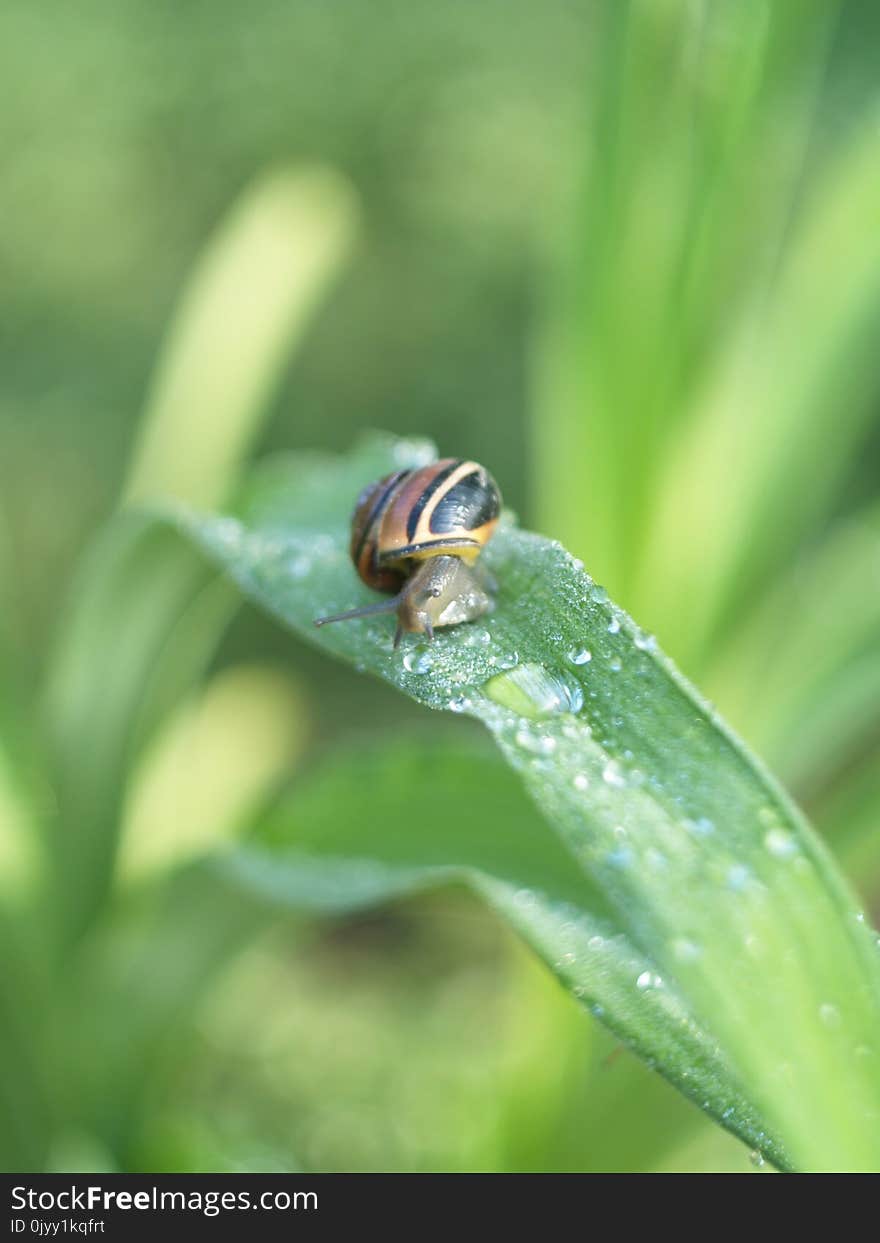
(417, 533)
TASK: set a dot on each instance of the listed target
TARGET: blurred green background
(628, 256)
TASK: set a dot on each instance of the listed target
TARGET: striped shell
(450, 507)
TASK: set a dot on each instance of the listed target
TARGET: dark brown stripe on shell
(412, 521)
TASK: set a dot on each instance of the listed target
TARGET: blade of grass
(687, 105)
(127, 651)
(810, 706)
(783, 416)
(129, 597)
(748, 944)
(244, 311)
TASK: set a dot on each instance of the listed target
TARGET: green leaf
(695, 905)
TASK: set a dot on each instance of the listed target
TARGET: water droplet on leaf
(533, 691)
(418, 662)
(613, 775)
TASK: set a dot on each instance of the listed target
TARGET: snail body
(416, 534)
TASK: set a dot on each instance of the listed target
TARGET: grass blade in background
(723, 936)
(706, 374)
(219, 756)
(682, 108)
(782, 418)
(143, 621)
(247, 305)
(811, 707)
(126, 1003)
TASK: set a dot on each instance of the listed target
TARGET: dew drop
(685, 950)
(599, 594)
(829, 1014)
(458, 703)
(418, 662)
(580, 656)
(780, 843)
(700, 828)
(614, 625)
(538, 744)
(580, 781)
(645, 642)
(647, 980)
(299, 566)
(228, 531)
(737, 877)
(757, 1159)
(613, 775)
(614, 665)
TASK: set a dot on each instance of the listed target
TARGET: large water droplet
(531, 690)
(648, 979)
(580, 655)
